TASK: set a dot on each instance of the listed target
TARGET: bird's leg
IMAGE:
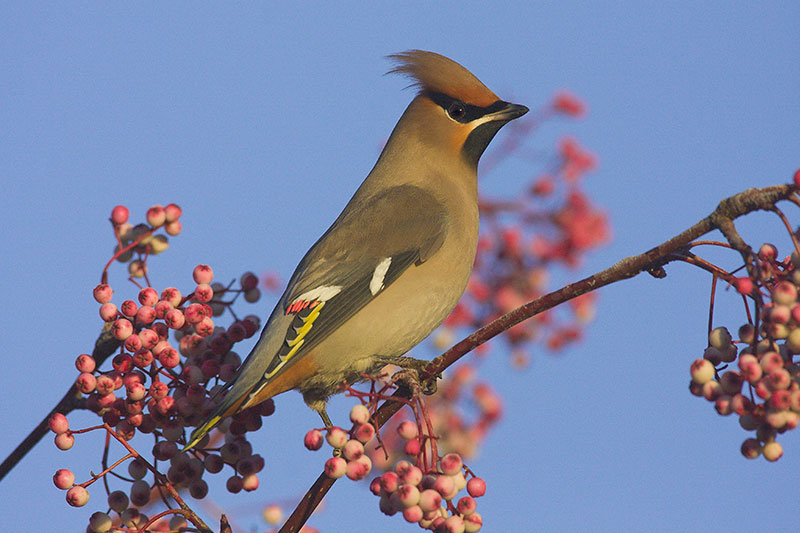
(323, 414)
(413, 368)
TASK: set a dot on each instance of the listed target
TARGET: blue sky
(261, 120)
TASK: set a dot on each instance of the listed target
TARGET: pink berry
(336, 437)
(173, 228)
(156, 216)
(119, 215)
(389, 482)
(85, 363)
(454, 524)
(412, 447)
(202, 274)
(63, 478)
(77, 496)
(335, 467)
(445, 486)
(408, 495)
(767, 252)
(364, 433)
(171, 295)
(466, 505)
(145, 315)
(108, 312)
(451, 464)
(175, 319)
(375, 486)
(64, 441)
(796, 178)
(205, 327)
(273, 514)
(430, 500)
(357, 470)
(411, 476)
(121, 329)
(128, 308)
(86, 382)
(58, 423)
(352, 450)
(412, 514)
(743, 285)
(103, 293)
(476, 487)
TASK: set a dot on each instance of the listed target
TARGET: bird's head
(453, 112)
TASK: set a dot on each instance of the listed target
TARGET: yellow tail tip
(200, 432)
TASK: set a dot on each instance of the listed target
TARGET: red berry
(103, 293)
(313, 440)
(119, 215)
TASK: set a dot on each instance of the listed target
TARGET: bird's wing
(368, 247)
(364, 251)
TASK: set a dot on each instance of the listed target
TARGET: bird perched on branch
(396, 261)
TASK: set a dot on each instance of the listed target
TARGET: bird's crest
(436, 73)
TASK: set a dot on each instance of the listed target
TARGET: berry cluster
(422, 492)
(765, 390)
(162, 384)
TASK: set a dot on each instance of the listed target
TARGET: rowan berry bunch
(764, 390)
(172, 360)
(423, 486)
(551, 223)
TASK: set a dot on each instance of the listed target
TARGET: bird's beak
(509, 112)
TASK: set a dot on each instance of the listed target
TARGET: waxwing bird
(396, 261)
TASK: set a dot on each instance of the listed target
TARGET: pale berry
(772, 451)
(63, 478)
(476, 487)
(77, 496)
(336, 437)
(719, 338)
(702, 371)
(768, 252)
(473, 523)
(335, 467)
(359, 414)
(411, 476)
(444, 485)
(108, 312)
(408, 430)
(103, 293)
(273, 514)
(771, 361)
(357, 469)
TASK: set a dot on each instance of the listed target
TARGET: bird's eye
(456, 111)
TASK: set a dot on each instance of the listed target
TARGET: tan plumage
(396, 260)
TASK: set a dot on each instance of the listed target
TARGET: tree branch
(104, 347)
(651, 261)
